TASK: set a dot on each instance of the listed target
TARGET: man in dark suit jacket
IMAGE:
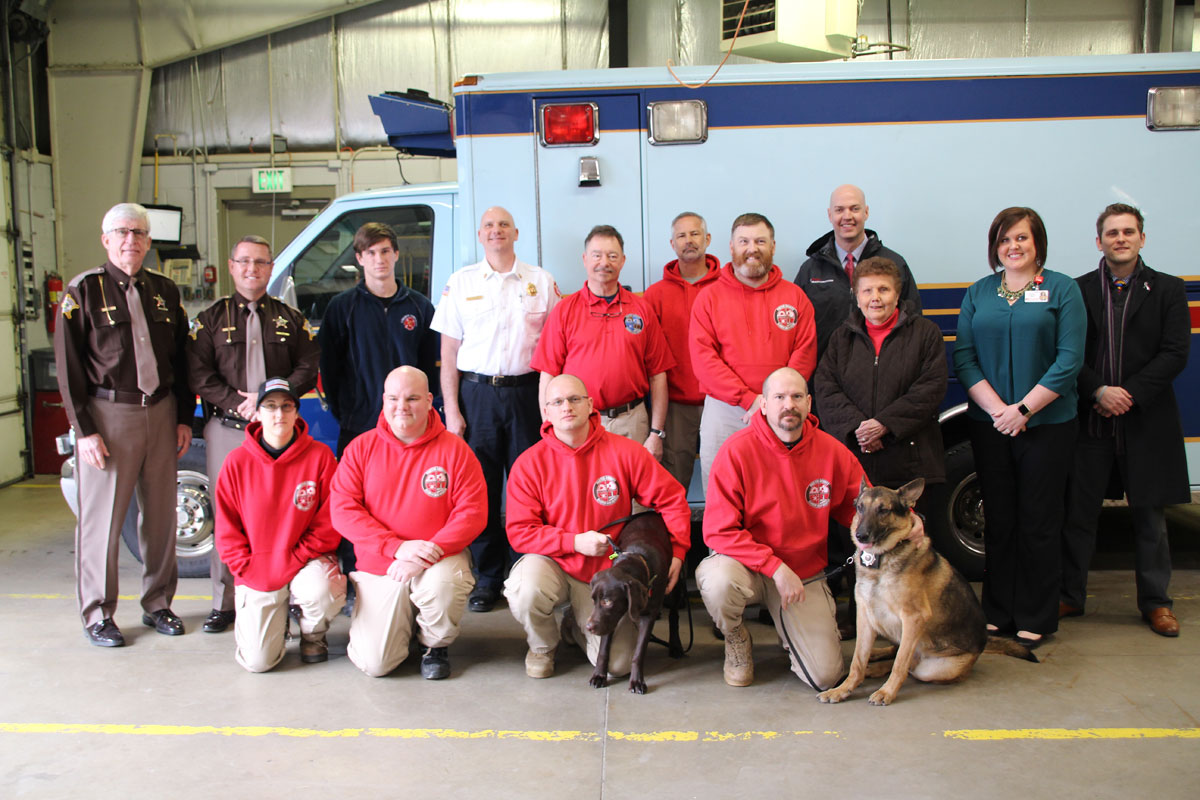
(1130, 436)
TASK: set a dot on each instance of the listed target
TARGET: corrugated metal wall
(298, 83)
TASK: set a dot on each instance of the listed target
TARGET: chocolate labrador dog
(635, 583)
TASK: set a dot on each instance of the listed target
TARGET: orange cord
(728, 52)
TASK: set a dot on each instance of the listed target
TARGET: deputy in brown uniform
(119, 347)
(234, 345)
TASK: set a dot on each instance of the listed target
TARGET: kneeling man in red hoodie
(773, 488)
(410, 495)
(274, 532)
(564, 493)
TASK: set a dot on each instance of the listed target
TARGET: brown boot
(313, 648)
(739, 658)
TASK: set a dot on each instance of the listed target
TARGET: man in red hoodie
(563, 494)
(273, 531)
(746, 324)
(672, 299)
(410, 495)
(774, 486)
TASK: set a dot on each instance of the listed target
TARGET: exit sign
(266, 181)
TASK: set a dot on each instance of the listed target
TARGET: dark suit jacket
(1156, 342)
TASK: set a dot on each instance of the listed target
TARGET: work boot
(435, 664)
(313, 648)
(539, 665)
(739, 659)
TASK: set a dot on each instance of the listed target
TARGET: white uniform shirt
(497, 316)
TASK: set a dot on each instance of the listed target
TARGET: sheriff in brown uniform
(234, 345)
(119, 347)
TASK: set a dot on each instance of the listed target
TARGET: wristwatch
(1024, 409)
(658, 433)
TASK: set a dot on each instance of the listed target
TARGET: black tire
(194, 534)
(955, 522)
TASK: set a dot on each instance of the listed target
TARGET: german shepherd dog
(910, 594)
(636, 584)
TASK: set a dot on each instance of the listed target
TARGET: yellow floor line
(1073, 733)
(977, 735)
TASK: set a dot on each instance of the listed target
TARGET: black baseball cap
(273, 385)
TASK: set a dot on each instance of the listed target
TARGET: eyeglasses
(138, 233)
(574, 400)
(256, 262)
(273, 408)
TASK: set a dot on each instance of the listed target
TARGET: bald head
(407, 402)
(498, 235)
(848, 213)
(786, 403)
(568, 407)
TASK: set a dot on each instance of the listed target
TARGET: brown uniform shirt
(216, 350)
(93, 340)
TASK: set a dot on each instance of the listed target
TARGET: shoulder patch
(68, 305)
(195, 328)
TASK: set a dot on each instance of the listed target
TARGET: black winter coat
(823, 278)
(1156, 341)
(902, 389)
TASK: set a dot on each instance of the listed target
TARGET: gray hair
(124, 211)
(251, 239)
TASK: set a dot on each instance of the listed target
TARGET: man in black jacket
(1130, 436)
(825, 276)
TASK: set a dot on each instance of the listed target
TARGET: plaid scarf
(1111, 350)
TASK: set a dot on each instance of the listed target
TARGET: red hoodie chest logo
(818, 493)
(786, 317)
(605, 490)
(305, 496)
(435, 481)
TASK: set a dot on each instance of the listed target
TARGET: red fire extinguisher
(53, 293)
(210, 274)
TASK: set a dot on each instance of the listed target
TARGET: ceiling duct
(790, 30)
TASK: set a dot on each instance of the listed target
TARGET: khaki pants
(537, 586)
(682, 442)
(382, 623)
(727, 587)
(319, 588)
(634, 424)
(142, 458)
(718, 422)
(219, 442)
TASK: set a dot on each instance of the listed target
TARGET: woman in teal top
(1018, 351)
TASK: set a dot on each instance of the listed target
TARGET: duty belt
(235, 422)
(129, 398)
(616, 411)
(501, 380)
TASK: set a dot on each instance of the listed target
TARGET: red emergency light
(570, 124)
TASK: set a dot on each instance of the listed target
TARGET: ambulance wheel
(955, 522)
(194, 515)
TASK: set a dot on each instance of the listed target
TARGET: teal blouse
(1017, 347)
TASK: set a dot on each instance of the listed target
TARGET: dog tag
(868, 559)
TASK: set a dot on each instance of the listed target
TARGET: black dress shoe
(164, 621)
(218, 621)
(483, 598)
(104, 634)
(435, 664)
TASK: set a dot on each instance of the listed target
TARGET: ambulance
(938, 147)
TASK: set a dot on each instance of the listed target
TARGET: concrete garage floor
(1110, 712)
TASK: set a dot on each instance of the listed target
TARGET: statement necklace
(1003, 292)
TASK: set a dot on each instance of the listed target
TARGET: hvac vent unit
(791, 30)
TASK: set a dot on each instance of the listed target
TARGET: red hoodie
(386, 492)
(672, 299)
(768, 505)
(555, 492)
(273, 513)
(740, 334)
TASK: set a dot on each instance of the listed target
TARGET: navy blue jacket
(363, 338)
